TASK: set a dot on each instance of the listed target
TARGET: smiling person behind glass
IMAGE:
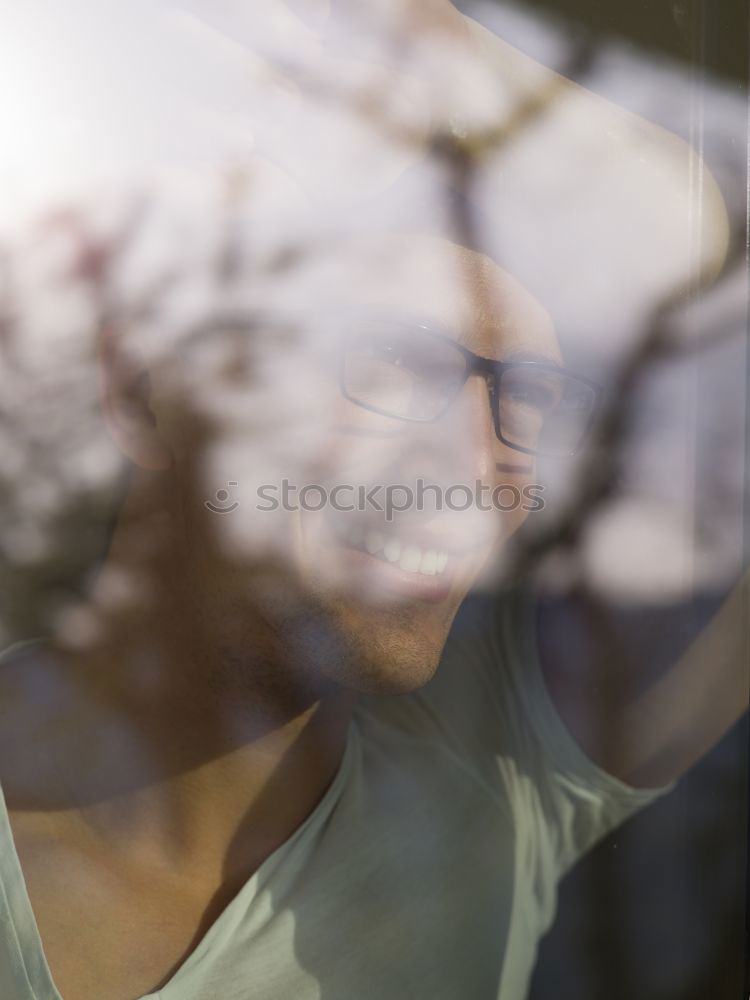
(236, 770)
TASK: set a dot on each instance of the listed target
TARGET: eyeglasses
(409, 372)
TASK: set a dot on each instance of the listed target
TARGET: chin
(344, 636)
(387, 651)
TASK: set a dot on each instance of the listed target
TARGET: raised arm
(641, 719)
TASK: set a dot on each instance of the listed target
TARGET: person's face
(373, 593)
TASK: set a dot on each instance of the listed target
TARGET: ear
(125, 398)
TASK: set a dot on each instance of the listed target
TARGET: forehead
(461, 292)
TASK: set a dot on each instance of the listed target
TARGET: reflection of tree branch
(462, 158)
(462, 155)
(461, 148)
(598, 474)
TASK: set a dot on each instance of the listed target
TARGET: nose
(466, 434)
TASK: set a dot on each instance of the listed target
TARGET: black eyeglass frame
(492, 371)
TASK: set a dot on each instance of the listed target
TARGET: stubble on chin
(387, 649)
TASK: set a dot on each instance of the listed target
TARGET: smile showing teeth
(410, 558)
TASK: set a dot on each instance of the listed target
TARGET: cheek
(515, 498)
(359, 446)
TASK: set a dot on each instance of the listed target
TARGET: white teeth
(374, 542)
(392, 550)
(411, 558)
(428, 565)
